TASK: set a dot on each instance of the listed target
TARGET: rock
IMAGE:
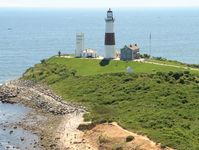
(38, 95)
(52, 145)
(57, 138)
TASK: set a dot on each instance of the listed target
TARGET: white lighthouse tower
(110, 36)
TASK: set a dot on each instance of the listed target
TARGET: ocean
(29, 35)
(10, 137)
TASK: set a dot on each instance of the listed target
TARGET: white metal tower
(79, 44)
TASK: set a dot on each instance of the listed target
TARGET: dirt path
(168, 65)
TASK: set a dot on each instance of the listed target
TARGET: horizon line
(136, 7)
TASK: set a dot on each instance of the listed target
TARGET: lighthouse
(110, 36)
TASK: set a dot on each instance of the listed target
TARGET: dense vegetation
(172, 62)
(163, 105)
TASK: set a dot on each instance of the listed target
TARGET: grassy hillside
(173, 63)
(163, 105)
(93, 67)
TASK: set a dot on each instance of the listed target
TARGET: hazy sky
(98, 3)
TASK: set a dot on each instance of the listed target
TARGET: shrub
(160, 58)
(158, 81)
(130, 138)
(184, 101)
(159, 73)
(182, 81)
(186, 72)
(163, 146)
(170, 73)
(103, 139)
(119, 148)
(73, 72)
(43, 61)
(146, 56)
(177, 75)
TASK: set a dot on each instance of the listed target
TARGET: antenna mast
(150, 37)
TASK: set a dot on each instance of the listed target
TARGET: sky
(98, 3)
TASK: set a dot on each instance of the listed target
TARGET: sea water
(29, 35)
(10, 114)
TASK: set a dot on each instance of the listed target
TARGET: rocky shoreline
(48, 112)
(36, 95)
(57, 124)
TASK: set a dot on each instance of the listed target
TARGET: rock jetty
(36, 95)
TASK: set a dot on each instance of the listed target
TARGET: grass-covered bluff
(159, 101)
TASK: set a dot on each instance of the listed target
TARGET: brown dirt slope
(113, 137)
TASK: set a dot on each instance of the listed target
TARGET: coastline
(60, 125)
(54, 121)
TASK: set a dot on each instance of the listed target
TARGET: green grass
(168, 62)
(163, 105)
(93, 66)
(174, 63)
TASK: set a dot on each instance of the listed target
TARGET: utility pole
(150, 37)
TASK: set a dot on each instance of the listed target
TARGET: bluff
(156, 100)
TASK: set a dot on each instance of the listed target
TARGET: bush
(170, 73)
(43, 61)
(129, 138)
(177, 75)
(146, 56)
(182, 81)
(186, 72)
(193, 65)
(158, 81)
(160, 58)
(103, 139)
(73, 72)
(119, 148)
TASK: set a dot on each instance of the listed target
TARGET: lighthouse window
(109, 14)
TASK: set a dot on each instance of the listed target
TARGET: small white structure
(129, 70)
(79, 44)
(88, 53)
(110, 36)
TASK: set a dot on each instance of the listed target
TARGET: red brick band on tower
(109, 38)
